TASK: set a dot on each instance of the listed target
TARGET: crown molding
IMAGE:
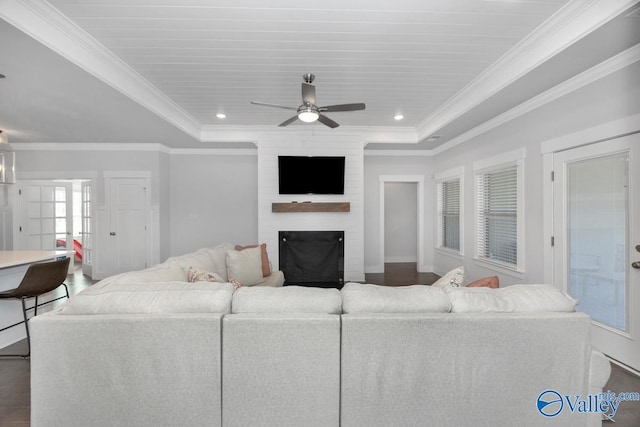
(253, 134)
(398, 153)
(597, 72)
(132, 147)
(214, 151)
(46, 24)
(90, 146)
(571, 23)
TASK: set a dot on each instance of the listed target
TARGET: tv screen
(311, 175)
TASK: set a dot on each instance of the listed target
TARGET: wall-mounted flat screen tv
(311, 175)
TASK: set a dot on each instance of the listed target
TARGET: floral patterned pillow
(235, 283)
(453, 279)
(195, 275)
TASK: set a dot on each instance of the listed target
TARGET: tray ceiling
(199, 57)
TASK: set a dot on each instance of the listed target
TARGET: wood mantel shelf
(311, 207)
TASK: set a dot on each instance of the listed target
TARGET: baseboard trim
(397, 259)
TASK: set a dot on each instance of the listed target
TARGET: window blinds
(497, 226)
(449, 214)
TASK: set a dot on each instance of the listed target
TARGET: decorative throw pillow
(235, 283)
(453, 279)
(266, 265)
(488, 282)
(245, 266)
(196, 275)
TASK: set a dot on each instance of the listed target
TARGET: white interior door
(46, 215)
(596, 230)
(128, 223)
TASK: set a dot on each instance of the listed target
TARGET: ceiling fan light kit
(308, 115)
(308, 111)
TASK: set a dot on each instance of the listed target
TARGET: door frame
(146, 175)
(605, 132)
(411, 179)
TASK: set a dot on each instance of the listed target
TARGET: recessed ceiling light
(221, 115)
(398, 117)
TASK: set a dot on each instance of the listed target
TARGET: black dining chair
(39, 279)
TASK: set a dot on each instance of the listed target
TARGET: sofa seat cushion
(287, 299)
(147, 298)
(516, 298)
(366, 298)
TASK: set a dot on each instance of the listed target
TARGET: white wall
(376, 166)
(300, 143)
(70, 163)
(613, 97)
(214, 199)
(400, 222)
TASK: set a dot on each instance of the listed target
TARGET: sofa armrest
(599, 371)
(275, 279)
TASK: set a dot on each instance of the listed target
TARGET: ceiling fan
(309, 112)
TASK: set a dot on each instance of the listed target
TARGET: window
(499, 212)
(449, 214)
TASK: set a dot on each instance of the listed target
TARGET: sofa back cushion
(212, 260)
(165, 272)
(147, 298)
(287, 299)
(366, 298)
(516, 298)
(218, 257)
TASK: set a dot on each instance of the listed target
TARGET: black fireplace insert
(312, 258)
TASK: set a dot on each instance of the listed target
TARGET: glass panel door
(46, 216)
(87, 228)
(597, 200)
(596, 224)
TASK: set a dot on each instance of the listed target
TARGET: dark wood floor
(15, 373)
(400, 274)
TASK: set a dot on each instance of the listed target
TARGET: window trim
(441, 177)
(496, 163)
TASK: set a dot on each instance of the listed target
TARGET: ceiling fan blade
(327, 121)
(308, 94)
(273, 105)
(289, 121)
(343, 107)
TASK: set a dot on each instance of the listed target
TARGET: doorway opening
(401, 223)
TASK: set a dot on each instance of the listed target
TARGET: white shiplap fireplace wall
(269, 223)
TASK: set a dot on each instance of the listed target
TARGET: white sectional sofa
(222, 261)
(208, 354)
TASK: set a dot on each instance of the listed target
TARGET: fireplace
(312, 258)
